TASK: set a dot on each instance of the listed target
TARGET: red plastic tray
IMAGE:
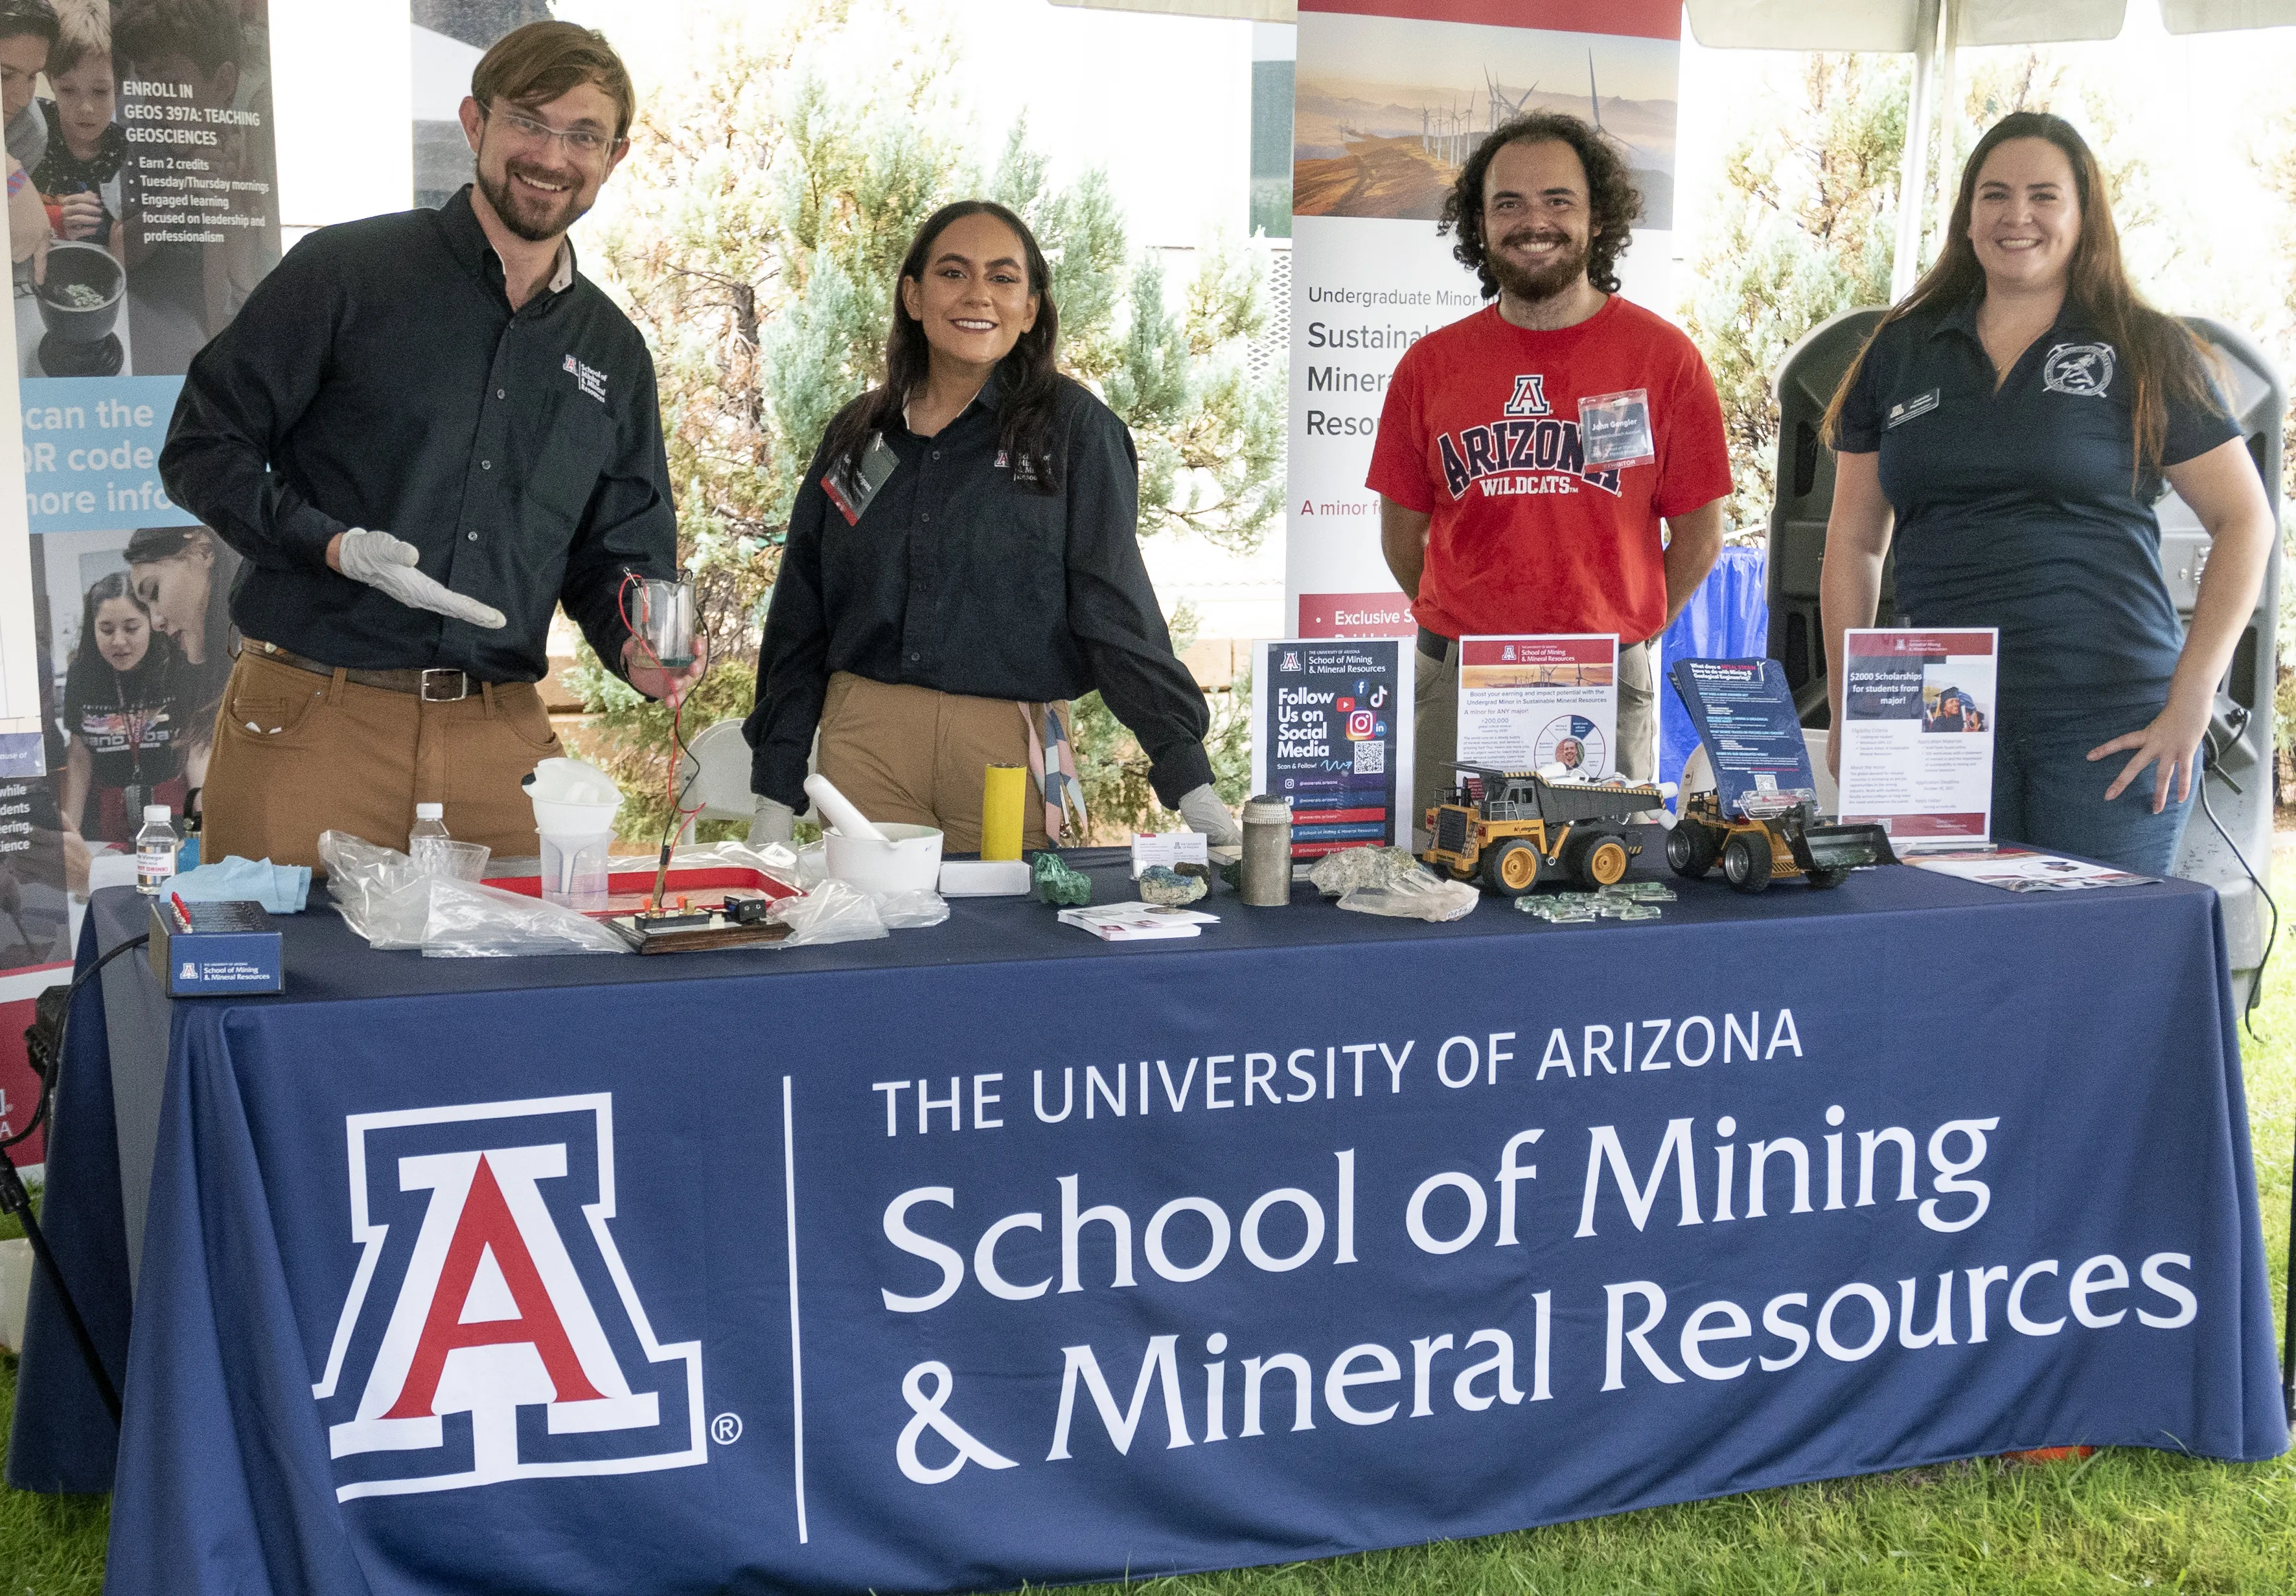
(632, 889)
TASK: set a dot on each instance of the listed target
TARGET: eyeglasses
(584, 141)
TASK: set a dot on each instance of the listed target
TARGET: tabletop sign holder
(1331, 736)
(1901, 686)
(1743, 712)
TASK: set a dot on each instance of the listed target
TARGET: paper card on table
(1744, 714)
(1917, 714)
(1331, 736)
(2024, 869)
(1170, 850)
(1531, 701)
(1134, 922)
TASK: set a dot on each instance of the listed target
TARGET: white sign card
(1529, 702)
(1917, 725)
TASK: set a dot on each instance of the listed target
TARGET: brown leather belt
(433, 686)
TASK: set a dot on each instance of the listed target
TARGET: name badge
(1614, 430)
(851, 491)
(1905, 410)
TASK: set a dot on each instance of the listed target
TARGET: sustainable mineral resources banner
(1393, 96)
(1332, 738)
(1917, 732)
(1529, 702)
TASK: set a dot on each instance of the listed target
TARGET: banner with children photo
(143, 208)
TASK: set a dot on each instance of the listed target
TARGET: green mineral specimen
(1166, 888)
(1056, 882)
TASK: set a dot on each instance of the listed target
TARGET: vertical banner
(1393, 95)
(143, 209)
(1332, 738)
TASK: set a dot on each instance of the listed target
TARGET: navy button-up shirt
(378, 378)
(962, 576)
(2022, 507)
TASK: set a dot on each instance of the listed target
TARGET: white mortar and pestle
(888, 858)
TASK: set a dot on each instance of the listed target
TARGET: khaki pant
(915, 757)
(1435, 730)
(297, 754)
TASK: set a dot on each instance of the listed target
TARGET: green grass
(2124, 1519)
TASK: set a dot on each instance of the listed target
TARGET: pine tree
(1804, 230)
(761, 219)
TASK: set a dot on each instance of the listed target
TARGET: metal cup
(1266, 881)
(663, 618)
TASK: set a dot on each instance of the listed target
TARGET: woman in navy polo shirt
(2011, 422)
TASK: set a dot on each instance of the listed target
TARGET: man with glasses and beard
(1554, 463)
(425, 432)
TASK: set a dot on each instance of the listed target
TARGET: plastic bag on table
(466, 920)
(1431, 899)
(386, 899)
(378, 890)
(775, 860)
(911, 911)
(831, 912)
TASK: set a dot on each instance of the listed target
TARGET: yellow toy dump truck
(1515, 830)
(1781, 842)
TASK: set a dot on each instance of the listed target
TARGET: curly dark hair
(1612, 196)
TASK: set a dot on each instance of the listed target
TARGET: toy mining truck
(1782, 840)
(1515, 830)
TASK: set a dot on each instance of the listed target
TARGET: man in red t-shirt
(1529, 454)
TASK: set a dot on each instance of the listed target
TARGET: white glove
(1201, 808)
(771, 822)
(386, 564)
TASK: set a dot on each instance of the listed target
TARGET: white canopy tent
(1933, 31)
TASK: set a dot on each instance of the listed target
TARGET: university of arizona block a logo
(492, 1331)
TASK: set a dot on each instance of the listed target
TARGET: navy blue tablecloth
(991, 1252)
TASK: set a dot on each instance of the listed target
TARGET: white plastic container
(909, 860)
(574, 871)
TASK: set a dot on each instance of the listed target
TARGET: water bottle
(156, 846)
(429, 827)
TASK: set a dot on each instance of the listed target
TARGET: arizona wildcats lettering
(492, 1331)
(1504, 447)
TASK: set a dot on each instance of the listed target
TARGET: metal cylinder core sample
(1267, 875)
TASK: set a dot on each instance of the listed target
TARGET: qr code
(1371, 758)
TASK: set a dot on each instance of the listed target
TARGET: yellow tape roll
(1003, 806)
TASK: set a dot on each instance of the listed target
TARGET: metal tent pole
(1913, 171)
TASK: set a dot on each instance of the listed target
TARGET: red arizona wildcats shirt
(1480, 432)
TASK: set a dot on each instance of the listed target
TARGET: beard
(1546, 281)
(530, 215)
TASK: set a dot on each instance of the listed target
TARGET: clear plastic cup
(574, 871)
(457, 861)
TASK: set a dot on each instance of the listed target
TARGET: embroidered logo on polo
(1527, 451)
(590, 379)
(1024, 470)
(2083, 369)
(492, 1331)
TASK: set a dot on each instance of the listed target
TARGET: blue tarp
(1728, 617)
